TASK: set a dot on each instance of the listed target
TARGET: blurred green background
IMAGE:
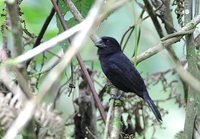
(35, 12)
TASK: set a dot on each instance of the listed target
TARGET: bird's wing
(124, 76)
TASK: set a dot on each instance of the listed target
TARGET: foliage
(73, 109)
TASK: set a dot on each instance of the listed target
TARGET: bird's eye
(107, 41)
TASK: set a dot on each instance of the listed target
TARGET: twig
(153, 18)
(157, 24)
(109, 115)
(154, 50)
(176, 34)
(111, 6)
(48, 44)
(65, 27)
(52, 62)
(77, 15)
(44, 28)
(166, 16)
(42, 31)
(139, 21)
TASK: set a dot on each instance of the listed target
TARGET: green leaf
(82, 5)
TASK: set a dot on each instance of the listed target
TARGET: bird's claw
(115, 97)
(117, 100)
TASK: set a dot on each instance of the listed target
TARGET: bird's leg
(117, 100)
(116, 96)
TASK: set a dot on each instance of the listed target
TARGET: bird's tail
(152, 106)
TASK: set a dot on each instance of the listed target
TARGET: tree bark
(192, 108)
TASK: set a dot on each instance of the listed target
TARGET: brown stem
(154, 18)
(83, 67)
(16, 29)
(42, 31)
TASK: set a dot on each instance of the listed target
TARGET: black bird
(121, 72)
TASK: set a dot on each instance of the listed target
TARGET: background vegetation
(66, 109)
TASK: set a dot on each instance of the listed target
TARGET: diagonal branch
(157, 25)
(164, 44)
(83, 67)
(43, 30)
(153, 18)
(47, 45)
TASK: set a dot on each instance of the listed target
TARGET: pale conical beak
(100, 44)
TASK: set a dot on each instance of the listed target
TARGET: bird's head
(107, 45)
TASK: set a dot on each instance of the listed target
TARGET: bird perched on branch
(121, 72)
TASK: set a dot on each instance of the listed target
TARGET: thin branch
(157, 24)
(177, 34)
(48, 44)
(138, 22)
(108, 118)
(112, 6)
(153, 18)
(154, 50)
(44, 28)
(42, 31)
(77, 15)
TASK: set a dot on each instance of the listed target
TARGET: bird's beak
(100, 44)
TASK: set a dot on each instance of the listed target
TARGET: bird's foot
(117, 99)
